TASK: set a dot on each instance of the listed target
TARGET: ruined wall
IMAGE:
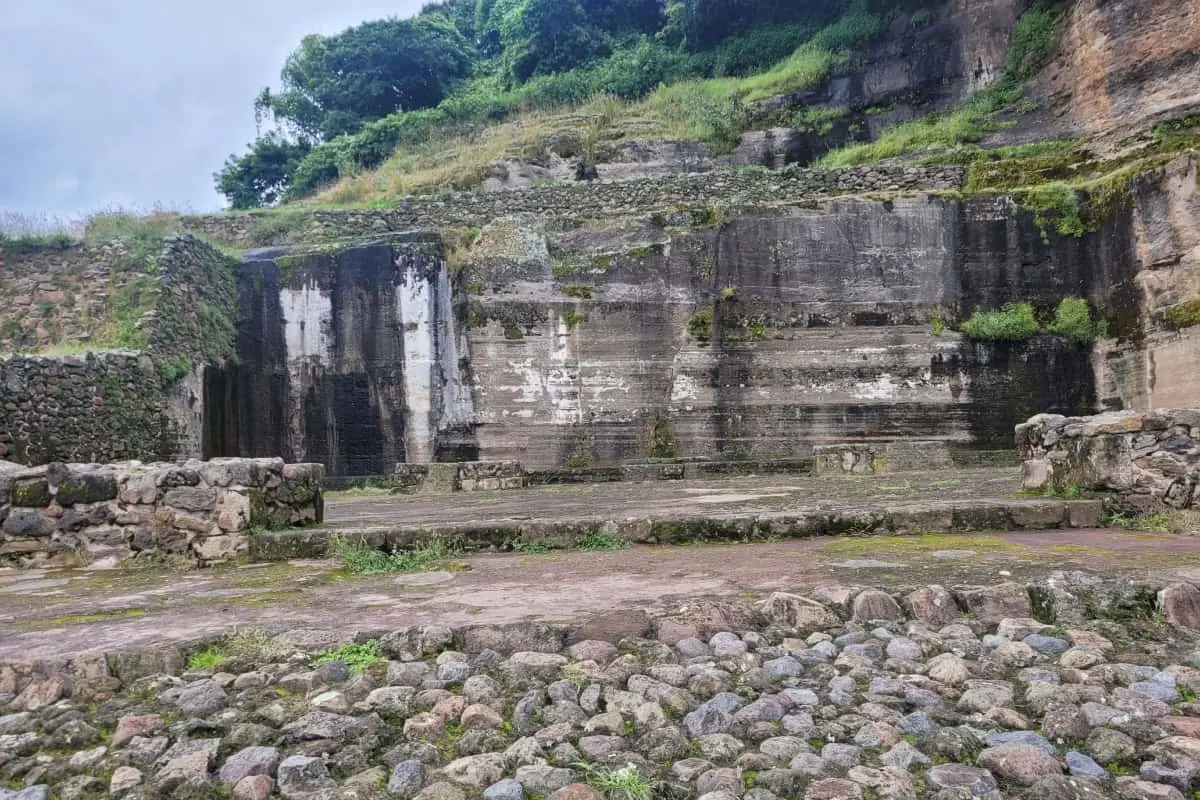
(1148, 458)
(104, 514)
(349, 356)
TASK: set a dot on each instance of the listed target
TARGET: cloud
(133, 103)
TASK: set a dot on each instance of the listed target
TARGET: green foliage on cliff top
(684, 69)
(1183, 315)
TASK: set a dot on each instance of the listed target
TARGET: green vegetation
(207, 659)
(568, 73)
(571, 318)
(578, 291)
(355, 656)
(1164, 521)
(700, 325)
(1015, 322)
(1183, 315)
(1034, 42)
(598, 540)
(34, 242)
(625, 783)
(359, 559)
(1072, 319)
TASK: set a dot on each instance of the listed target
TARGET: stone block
(233, 510)
(191, 498)
(87, 486)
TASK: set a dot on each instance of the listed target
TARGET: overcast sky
(132, 103)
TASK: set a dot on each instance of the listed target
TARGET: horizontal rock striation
(105, 514)
(1149, 458)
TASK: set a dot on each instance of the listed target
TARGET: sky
(132, 104)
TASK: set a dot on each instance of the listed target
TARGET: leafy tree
(334, 84)
(545, 36)
(261, 176)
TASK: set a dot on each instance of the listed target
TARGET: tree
(260, 177)
(334, 84)
(546, 36)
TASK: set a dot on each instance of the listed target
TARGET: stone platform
(752, 508)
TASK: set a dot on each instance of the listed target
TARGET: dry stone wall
(1149, 458)
(580, 200)
(98, 407)
(104, 514)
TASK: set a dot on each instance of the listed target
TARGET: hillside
(849, 83)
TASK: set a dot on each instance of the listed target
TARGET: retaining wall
(1149, 458)
(199, 512)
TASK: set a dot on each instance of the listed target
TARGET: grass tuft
(356, 656)
(208, 659)
(360, 560)
(602, 541)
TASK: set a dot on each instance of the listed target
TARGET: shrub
(1073, 320)
(1015, 322)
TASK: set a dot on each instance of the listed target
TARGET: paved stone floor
(55, 614)
(670, 498)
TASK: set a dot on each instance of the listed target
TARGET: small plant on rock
(362, 560)
(355, 656)
(626, 783)
(598, 540)
(207, 659)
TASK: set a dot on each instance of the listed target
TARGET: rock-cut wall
(352, 357)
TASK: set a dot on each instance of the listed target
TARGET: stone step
(866, 519)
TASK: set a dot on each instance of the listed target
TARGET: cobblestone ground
(843, 693)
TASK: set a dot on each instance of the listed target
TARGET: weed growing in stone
(602, 541)
(1167, 521)
(626, 783)
(207, 659)
(355, 656)
(519, 546)
(361, 560)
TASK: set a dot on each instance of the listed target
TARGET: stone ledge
(900, 519)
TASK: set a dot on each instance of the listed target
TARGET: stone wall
(105, 514)
(880, 458)
(1148, 458)
(574, 201)
(91, 408)
(113, 403)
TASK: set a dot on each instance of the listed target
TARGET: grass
(360, 560)
(597, 540)
(355, 656)
(625, 783)
(207, 659)
(1164, 521)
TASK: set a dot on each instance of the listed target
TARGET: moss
(513, 332)
(1183, 315)
(82, 619)
(1057, 205)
